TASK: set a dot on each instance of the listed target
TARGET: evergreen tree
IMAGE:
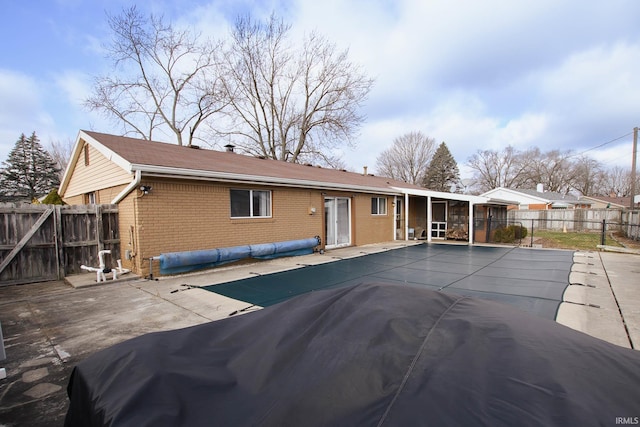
(53, 198)
(442, 173)
(29, 172)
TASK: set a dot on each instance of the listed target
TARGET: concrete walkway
(49, 327)
(603, 297)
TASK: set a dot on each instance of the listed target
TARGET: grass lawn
(570, 240)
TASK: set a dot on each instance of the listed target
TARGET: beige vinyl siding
(99, 174)
(75, 200)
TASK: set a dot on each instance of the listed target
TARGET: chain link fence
(580, 228)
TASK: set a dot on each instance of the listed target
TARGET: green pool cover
(532, 280)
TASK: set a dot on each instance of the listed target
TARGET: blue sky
(478, 75)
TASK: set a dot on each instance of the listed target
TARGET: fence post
(99, 230)
(531, 244)
(60, 269)
(604, 231)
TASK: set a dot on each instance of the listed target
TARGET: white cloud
(75, 85)
(602, 80)
(474, 74)
(21, 109)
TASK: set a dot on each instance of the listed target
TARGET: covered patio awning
(430, 195)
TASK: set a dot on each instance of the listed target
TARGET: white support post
(470, 228)
(406, 216)
(395, 218)
(429, 218)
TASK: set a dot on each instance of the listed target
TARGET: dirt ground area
(627, 243)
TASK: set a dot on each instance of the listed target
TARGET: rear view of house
(173, 198)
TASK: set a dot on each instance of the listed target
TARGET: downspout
(128, 189)
(136, 181)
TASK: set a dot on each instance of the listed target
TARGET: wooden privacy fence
(631, 221)
(569, 219)
(47, 242)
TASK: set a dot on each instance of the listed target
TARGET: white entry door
(438, 220)
(337, 214)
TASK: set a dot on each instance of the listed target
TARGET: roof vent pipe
(230, 147)
(540, 188)
(365, 171)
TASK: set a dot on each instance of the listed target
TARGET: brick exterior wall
(192, 215)
(540, 206)
(368, 228)
(185, 216)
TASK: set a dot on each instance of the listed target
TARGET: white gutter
(442, 195)
(134, 184)
(169, 172)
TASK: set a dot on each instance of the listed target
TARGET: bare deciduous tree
(618, 182)
(553, 169)
(60, 152)
(164, 78)
(290, 104)
(408, 158)
(493, 169)
(588, 177)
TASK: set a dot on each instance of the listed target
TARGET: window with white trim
(90, 198)
(378, 206)
(250, 203)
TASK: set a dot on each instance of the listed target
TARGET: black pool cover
(365, 355)
(532, 280)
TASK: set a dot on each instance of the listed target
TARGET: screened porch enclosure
(443, 219)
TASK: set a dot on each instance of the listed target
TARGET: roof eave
(70, 166)
(519, 193)
(170, 172)
(451, 196)
(77, 149)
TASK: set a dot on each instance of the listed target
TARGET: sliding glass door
(337, 214)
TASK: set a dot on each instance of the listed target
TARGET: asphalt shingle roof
(152, 153)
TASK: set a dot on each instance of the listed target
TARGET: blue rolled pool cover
(182, 262)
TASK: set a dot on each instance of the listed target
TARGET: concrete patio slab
(49, 327)
(601, 284)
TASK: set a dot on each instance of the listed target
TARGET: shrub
(510, 234)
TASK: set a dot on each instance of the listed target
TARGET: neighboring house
(537, 199)
(173, 198)
(608, 202)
